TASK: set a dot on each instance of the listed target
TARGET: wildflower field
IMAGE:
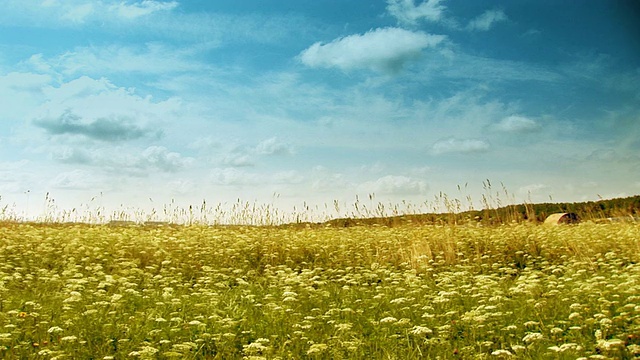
(521, 291)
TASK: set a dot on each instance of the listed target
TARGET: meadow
(521, 291)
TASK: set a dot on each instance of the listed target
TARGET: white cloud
(464, 146)
(386, 49)
(273, 147)
(238, 159)
(158, 157)
(287, 177)
(78, 13)
(237, 177)
(452, 63)
(124, 159)
(76, 180)
(146, 7)
(104, 129)
(517, 124)
(243, 155)
(20, 93)
(408, 13)
(395, 185)
(97, 109)
(16, 81)
(181, 186)
(148, 17)
(609, 156)
(71, 155)
(12, 176)
(532, 188)
(327, 181)
(486, 20)
(151, 58)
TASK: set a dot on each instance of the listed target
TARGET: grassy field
(198, 292)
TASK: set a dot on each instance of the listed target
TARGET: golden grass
(524, 291)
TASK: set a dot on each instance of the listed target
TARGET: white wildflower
(421, 330)
(532, 337)
(55, 330)
(317, 349)
(502, 353)
(388, 319)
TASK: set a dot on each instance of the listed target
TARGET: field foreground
(521, 291)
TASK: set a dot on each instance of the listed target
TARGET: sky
(136, 104)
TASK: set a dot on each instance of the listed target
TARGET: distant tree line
(615, 209)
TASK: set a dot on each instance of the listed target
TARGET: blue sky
(302, 102)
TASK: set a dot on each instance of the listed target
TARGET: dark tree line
(617, 209)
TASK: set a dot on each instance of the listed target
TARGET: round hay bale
(562, 218)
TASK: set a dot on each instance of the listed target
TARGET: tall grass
(496, 208)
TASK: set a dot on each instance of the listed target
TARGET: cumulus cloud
(407, 12)
(98, 110)
(158, 157)
(486, 20)
(517, 124)
(463, 146)
(103, 129)
(383, 49)
(18, 81)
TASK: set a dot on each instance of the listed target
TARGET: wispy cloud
(384, 49)
(157, 20)
(517, 124)
(244, 155)
(151, 58)
(125, 159)
(240, 177)
(408, 13)
(462, 65)
(273, 147)
(138, 9)
(462, 146)
(78, 12)
(486, 20)
(76, 180)
(394, 185)
(532, 188)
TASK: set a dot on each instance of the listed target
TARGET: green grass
(406, 292)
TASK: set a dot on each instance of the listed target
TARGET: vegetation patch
(162, 292)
